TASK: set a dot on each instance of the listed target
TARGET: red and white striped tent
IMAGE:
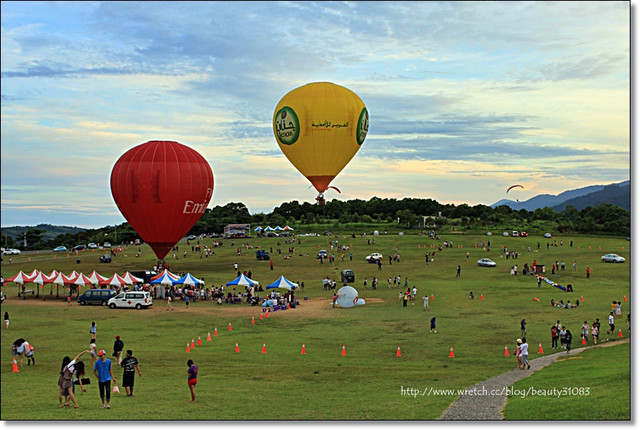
(96, 278)
(132, 280)
(115, 280)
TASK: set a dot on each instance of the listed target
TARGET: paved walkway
(489, 407)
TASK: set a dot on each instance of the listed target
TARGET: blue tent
(189, 279)
(165, 279)
(268, 228)
(282, 282)
(258, 228)
(242, 280)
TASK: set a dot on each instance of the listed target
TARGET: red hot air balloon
(162, 188)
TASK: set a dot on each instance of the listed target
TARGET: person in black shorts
(130, 364)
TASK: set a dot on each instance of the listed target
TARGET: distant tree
(34, 237)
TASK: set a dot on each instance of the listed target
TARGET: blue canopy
(258, 228)
(189, 279)
(282, 282)
(268, 228)
(278, 228)
(165, 279)
(242, 280)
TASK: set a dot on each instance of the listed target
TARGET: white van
(133, 299)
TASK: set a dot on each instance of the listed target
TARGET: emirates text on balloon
(191, 207)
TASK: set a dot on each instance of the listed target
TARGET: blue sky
(465, 98)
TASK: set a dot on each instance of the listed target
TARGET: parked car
(486, 262)
(261, 254)
(133, 299)
(106, 258)
(348, 276)
(92, 246)
(524, 234)
(11, 251)
(271, 234)
(107, 245)
(192, 237)
(547, 235)
(80, 247)
(612, 258)
(60, 249)
(98, 296)
(373, 258)
(322, 253)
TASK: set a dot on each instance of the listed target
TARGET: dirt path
(489, 407)
(315, 307)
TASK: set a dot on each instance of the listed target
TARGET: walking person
(594, 333)
(433, 325)
(93, 351)
(335, 299)
(65, 381)
(585, 331)
(130, 364)
(568, 339)
(524, 348)
(192, 379)
(6, 320)
(92, 330)
(523, 328)
(612, 326)
(458, 271)
(169, 305)
(425, 299)
(103, 371)
(518, 352)
(554, 337)
(118, 346)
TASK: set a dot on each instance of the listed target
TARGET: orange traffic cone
(481, 296)
(431, 296)
(398, 353)
(540, 351)
(193, 343)
(253, 320)
(581, 298)
(264, 348)
(208, 336)
(267, 314)
(304, 351)
(188, 349)
(451, 355)
(230, 329)
(619, 332)
(584, 340)
(261, 316)
(624, 299)
(199, 341)
(535, 299)
(344, 350)
(288, 306)
(15, 367)
(215, 331)
(506, 351)
(237, 347)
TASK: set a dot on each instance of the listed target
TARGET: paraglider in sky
(320, 127)
(162, 188)
(513, 186)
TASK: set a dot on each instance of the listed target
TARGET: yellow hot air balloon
(319, 128)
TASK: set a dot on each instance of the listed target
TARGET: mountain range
(618, 194)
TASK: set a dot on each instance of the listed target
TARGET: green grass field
(283, 384)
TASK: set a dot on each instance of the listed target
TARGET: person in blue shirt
(104, 373)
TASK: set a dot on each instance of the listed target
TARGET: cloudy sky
(465, 98)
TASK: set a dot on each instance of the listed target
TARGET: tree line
(388, 213)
